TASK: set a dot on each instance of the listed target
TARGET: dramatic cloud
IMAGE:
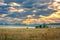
(29, 12)
(54, 17)
(47, 19)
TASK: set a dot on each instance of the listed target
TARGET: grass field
(29, 34)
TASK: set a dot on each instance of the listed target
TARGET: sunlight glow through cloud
(57, 0)
(47, 19)
(29, 12)
(54, 17)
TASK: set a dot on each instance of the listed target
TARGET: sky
(28, 11)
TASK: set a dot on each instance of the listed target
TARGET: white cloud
(21, 10)
(2, 3)
(33, 15)
(3, 15)
(13, 20)
(14, 4)
(57, 0)
(55, 6)
(29, 16)
(17, 19)
(12, 9)
(34, 10)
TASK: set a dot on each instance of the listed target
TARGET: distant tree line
(41, 26)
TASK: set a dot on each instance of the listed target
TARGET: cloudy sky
(28, 11)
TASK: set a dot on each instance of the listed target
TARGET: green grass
(30, 34)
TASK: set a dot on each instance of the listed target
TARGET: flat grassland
(30, 34)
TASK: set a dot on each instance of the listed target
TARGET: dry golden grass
(30, 34)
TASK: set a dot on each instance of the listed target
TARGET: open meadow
(30, 34)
